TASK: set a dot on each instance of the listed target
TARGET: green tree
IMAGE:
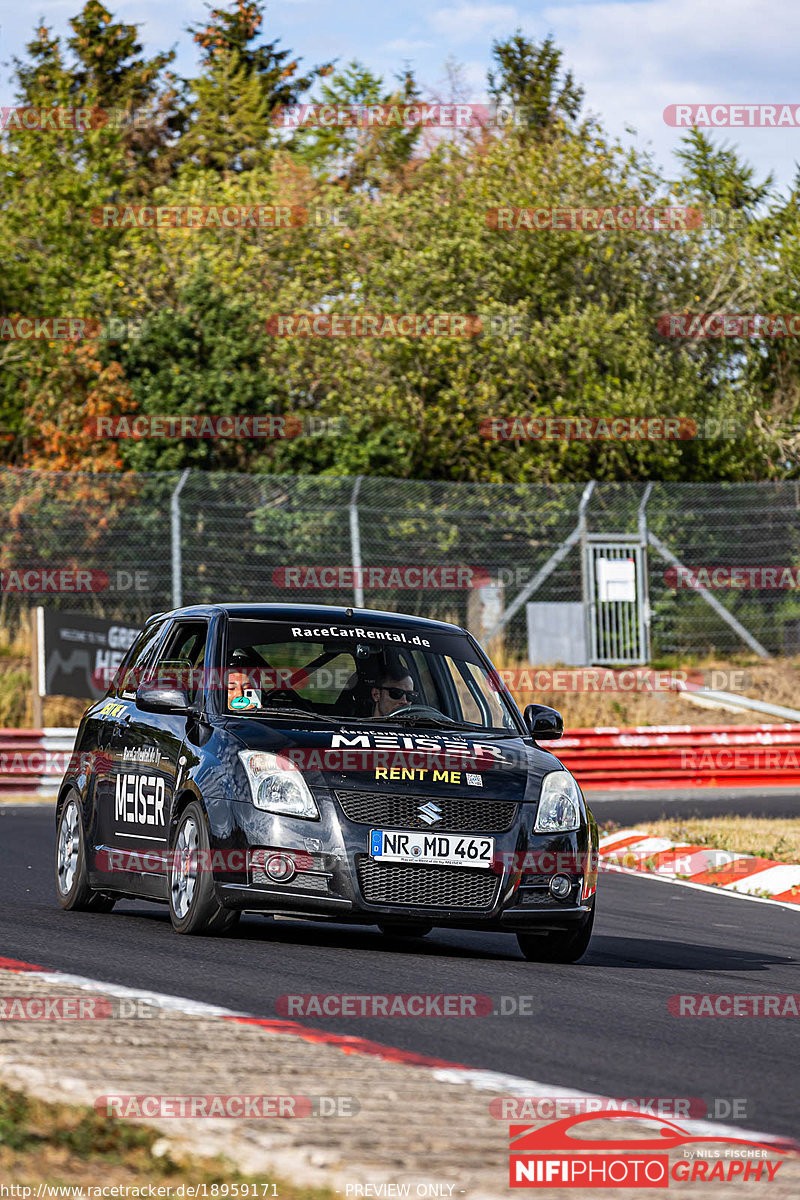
(530, 77)
(362, 154)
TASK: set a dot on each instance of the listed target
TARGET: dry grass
(72, 1145)
(776, 681)
(761, 836)
(16, 706)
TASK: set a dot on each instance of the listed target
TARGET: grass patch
(73, 1145)
(763, 837)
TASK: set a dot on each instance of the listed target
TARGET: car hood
(413, 760)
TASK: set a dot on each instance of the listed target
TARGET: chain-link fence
(143, 541)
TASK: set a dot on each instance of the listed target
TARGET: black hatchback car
(328, 763)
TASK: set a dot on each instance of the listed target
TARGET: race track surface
(629, 806)
(600, 1026)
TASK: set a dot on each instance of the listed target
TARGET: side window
(182, 656)
(132, 668)
(470, 709)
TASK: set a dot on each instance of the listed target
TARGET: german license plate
(446, 849)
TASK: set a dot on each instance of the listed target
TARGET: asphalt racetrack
(600, 1026)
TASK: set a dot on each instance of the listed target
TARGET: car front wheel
(557, 947)
(193, 904)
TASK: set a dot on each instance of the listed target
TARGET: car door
(103, 734)
(147, 764)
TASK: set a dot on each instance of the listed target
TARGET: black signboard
(80, 654)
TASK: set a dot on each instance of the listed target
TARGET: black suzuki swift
(328, 763)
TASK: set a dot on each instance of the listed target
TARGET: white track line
(614, 869)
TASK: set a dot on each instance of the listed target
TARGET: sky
(632, 57)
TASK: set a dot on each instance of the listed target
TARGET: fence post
(175, 522)
(37, 666)
(587, 591)
(355, 545)
(644, 582)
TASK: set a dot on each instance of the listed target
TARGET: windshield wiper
(287, 711)
(440, 721)
(443, 722)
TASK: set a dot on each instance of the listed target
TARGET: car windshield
(404, 675)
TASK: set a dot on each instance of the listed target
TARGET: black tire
(193, 904)
(557, 947)
(412, 929)
(72, 882)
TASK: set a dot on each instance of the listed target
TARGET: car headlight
(276, 788)
(559, 804)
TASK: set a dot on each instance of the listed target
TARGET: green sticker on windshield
(241, 702)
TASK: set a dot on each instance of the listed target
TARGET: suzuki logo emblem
(430, 812)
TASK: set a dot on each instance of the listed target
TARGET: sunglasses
(399, 693)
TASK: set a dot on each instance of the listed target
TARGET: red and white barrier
(637, 850)
(682, 756)
(33, 761)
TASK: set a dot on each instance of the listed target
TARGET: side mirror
(158, 698)
(544, 724)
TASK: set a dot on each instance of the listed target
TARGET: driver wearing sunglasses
(391, 694)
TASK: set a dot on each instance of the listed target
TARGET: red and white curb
(679, 862)
(441, 1070)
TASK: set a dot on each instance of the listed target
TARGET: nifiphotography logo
(556, 1155)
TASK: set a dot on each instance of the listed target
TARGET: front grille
(396, 810)
(426, 886)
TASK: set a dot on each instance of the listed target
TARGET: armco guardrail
(32, 761)
(682, 756)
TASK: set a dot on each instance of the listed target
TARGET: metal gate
(615, 598)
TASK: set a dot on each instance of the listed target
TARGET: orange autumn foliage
(65, 400)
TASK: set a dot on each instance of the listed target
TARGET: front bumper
(340, 882)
